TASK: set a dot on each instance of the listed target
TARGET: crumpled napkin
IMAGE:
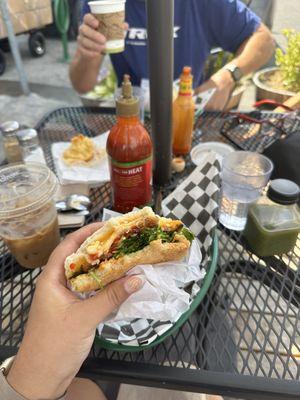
(93, 176)
(162, 297)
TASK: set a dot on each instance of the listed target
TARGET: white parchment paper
(163, 297)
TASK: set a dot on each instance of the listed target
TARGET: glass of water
(244, 175)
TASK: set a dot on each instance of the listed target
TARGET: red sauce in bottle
(129, 149)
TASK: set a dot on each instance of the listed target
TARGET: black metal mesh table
(243, 341)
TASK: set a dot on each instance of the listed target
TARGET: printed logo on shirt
(138, 36)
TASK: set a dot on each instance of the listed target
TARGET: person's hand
(61, 327)
(90, 42)
(223, 83)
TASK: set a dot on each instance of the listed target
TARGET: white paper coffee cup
(111, 17)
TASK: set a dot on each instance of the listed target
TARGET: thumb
(98, 307)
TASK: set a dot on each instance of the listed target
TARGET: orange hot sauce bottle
(183, 114)
(129, 149)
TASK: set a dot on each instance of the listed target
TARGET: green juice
(266, 238)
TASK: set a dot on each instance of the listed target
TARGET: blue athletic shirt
(199, 25)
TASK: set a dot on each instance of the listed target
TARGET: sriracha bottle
(129, 149)
(183, 114)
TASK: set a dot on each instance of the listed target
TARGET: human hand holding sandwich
(61, 328)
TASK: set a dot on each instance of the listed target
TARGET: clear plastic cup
(244, 175)
(28, 217)
(111, 17)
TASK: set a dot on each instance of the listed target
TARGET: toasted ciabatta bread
(100, 242)
(135, 238)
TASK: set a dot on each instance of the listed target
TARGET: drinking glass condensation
(28, 217)
(111, 17)
(244, 175)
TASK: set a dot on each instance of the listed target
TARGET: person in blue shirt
(199, 26)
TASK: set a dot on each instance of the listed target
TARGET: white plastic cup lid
(24, 188)
(106, 6)
(200, 151)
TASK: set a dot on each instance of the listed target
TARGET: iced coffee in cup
(111, 17)
(28, 217)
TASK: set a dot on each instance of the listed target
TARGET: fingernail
(134, 283)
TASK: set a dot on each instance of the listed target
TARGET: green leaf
(138, 241)
(96, 278)
(188, 234)
(106, 87)
(100, 90)
(289, 62)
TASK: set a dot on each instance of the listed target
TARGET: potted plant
(283, 81)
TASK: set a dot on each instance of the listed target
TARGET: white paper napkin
(93, 176)
(162, 298)
(70, 219)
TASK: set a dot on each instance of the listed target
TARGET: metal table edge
(190, 380)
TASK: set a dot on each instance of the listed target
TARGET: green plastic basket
(195, 303)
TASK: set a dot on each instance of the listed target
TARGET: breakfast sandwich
(136, 238)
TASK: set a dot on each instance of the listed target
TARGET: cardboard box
(27, 15)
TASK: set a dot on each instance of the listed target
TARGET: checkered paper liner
(195, 202)
(136, 332)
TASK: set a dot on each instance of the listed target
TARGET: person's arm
(61, 327)
(255, 51)
(251, 55)
(85, 66)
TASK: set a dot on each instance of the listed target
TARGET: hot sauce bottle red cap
(186, 82)
(186, 71)
(187, 75)
(127, 105)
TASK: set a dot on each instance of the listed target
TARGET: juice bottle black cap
(283, 191)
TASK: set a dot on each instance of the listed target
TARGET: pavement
(48, 80)
(49, 69)
(27, 110)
